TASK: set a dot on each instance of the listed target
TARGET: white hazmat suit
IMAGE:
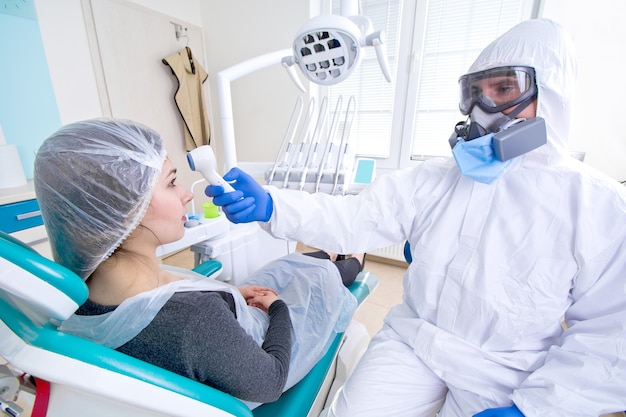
(496, 269)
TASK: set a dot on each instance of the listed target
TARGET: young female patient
(109, 198)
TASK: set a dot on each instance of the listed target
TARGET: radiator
(395, 252)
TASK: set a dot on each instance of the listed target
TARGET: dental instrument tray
(316, 153)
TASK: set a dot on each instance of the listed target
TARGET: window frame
(412, 34)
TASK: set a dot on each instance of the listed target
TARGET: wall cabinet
(21, 218)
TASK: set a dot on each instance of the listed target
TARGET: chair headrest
(35, 284)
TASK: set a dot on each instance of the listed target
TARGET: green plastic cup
(210, 210)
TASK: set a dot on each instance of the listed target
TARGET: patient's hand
(257, 296)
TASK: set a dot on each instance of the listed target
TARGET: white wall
(237, 30)
(234, 31)
(599, 35)
(187, 10)
(69, 61)
(65, 40)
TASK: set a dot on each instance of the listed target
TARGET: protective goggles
(497, 89)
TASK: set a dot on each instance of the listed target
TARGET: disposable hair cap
(94, 180)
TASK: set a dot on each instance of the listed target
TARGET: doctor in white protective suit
(515, 302)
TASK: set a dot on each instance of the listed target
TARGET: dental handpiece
(202, 159)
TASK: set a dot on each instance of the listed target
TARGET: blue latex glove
(511, 411)
(248, 203)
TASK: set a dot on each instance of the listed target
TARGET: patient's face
(166, 213)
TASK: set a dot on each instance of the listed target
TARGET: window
(430, 43)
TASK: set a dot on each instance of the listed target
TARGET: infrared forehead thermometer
(202, 159)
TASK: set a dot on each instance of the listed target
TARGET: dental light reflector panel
(328, 48)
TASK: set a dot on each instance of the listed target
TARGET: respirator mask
(484, 144)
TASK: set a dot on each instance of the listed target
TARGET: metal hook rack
(180, 31)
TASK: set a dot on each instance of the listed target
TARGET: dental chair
(76, 377)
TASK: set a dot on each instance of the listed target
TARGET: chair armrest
(48, 338)
(298, 400)
(208, 268)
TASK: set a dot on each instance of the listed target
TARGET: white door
(130, 42)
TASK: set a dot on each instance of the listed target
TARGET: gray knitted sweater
(196, 334)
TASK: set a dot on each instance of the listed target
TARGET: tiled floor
(387, 295)
(374, 308)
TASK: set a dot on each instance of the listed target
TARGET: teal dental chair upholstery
(85, 378)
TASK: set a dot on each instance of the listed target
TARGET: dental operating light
(328, 48)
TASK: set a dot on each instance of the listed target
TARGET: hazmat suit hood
(94, 181)
(543, 45)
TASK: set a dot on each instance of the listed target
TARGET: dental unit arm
(202, 159)
(326, 161)
(345, 36)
